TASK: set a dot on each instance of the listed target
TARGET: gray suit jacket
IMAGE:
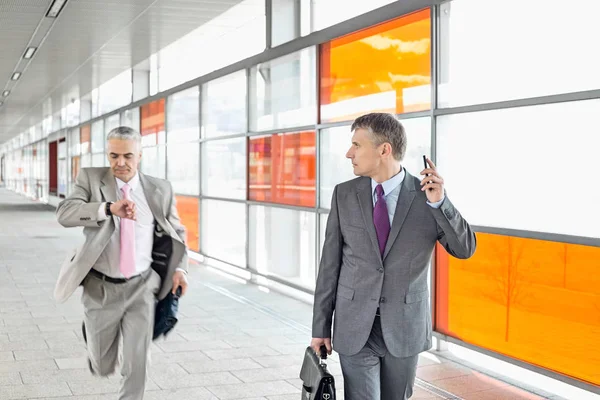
(354, 280)
(93, 187)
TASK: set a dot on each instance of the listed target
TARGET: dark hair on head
(384, 128)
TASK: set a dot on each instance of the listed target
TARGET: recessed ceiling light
(29, 53)
(55, 8)
(16, 76)
(6, 93)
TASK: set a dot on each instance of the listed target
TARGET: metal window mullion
(200, 146)
(269, 22)
(249, 94)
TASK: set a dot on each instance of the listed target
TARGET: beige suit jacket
(93, 187)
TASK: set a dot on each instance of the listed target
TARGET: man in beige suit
(124, 214)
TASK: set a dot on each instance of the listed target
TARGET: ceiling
(89, 43)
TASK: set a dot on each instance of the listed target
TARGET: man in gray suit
(380, 236)
(124, 214)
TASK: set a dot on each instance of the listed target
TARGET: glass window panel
(111, 123)
(98, 137)
(330, 12)
(481, 61)
(490, 160)
(183, 110)
(283, 21)
(153, 123)
(182, 167)
(282, 243)
(86, 160)
(224, 168)
(116, 93)
(239, 29)
(224, 231)
(74, 145)
(284, 92)
(153, 161)
(85, 138)
(282, 168)
(98, 160)
(224, 105)
(188, 210)
(396, 79)
(131, 118)
(525, 288)
(336, 168)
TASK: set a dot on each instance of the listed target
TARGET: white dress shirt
(109, 260)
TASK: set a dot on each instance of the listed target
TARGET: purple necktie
(381, 219)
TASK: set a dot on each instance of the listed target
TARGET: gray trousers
(121, 312)
(374, 374)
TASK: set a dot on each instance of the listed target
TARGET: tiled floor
(233, 341)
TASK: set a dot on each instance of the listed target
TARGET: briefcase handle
(323, 355)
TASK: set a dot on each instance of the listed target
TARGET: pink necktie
(127, 261)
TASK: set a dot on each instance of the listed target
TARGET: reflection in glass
(284, 92)
(282, 168)
(224, 231)
(525, 287)
(282, 243)
(224, 168)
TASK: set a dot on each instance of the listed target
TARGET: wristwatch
(107, 209)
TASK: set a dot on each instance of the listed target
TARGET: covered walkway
(233, 341)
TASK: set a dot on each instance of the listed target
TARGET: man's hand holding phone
(432, 183)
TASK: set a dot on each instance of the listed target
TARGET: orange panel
(385, 68)
(85, 137)
(153, 118)
(187, 207)
(534, 300)
(74, 168)
(282, 168)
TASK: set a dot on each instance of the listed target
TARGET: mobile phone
(426, 166)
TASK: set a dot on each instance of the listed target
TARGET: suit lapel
(153, 194)
(407, 195)
(365, 199)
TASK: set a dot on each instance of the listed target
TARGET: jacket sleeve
(76, 210)
(175, 221)
(454, 232)
(329, 272)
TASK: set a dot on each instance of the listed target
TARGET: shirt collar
(133, 182)
(390, 184)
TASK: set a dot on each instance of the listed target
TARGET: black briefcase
(317, 382)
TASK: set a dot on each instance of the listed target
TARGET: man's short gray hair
(125, 133)
(384, 127)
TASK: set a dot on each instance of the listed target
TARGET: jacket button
(380, 270)
(382, 300)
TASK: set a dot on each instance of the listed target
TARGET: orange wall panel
(384, 68)
(85, 138)
(152, 118)
(282, 168)
(188, 210)
(534, 300)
